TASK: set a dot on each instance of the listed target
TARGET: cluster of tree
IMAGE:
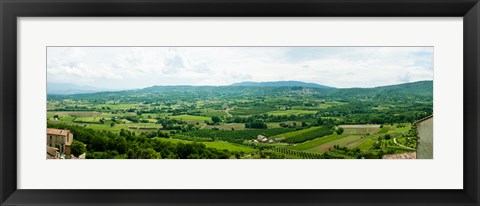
(339, 152)
(77, 148)
(170, 124)
(256, 124)
(362, 112)
(135, 119)
(152, 134)
(129, 145)
(326, 122)
(270, 118)
(215, 121)
(74, 108)
(339, 130)
(285, 125)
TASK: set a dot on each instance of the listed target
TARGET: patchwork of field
(283, 139)
(360, 129)
(272, 120)
(102, 121)
(217, 145)
(297, 133)
(192, 118)
(251, 110)
(319, 105)
(211, 113)
(362, 137)
(229, 126)
(317, 142)
(229, 146)
(349, 141)
(290, 112)
(294, 142)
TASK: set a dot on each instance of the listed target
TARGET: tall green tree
(78, 148)
(339, 130)
(216, 119)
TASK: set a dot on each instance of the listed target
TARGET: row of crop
(301, 154)
(310, 135)
(257, 145)
(193, 139)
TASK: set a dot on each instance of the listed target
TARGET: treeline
(361, 112)
(269, 118)
(129, 145)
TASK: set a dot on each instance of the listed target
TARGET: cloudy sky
(139, 67)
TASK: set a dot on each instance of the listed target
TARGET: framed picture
(239, 103)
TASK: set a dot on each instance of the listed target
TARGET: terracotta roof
(61, 132)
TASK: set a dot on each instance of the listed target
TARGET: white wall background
(444, 171)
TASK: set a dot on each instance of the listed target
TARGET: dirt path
(401, 145)
(228, 109)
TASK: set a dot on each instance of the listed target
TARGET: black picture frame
(10, 10)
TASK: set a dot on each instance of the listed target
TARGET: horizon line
(185, 85)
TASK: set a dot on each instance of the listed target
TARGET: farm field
(316, 142)
(231, 122)
(349, 141)
(191, 117)
(229, 126)
(297, 133)
(360, 129)
(290, 112)
(230, 147)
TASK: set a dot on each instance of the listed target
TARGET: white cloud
(137, 67)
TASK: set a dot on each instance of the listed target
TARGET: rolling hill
(280, 84)
(422, 89)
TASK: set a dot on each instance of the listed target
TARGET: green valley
(244, 121)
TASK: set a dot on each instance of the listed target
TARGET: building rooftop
(61, 132)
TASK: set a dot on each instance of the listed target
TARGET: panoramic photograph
(239, 103)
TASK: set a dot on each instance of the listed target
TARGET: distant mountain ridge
(401, 92)
(420, 88)
(66, 88)
(281, 84)
(423, 88)
(409, 85)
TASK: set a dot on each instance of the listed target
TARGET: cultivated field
(243, 122)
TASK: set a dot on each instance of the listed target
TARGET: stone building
(60, 139)
(425, 138)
